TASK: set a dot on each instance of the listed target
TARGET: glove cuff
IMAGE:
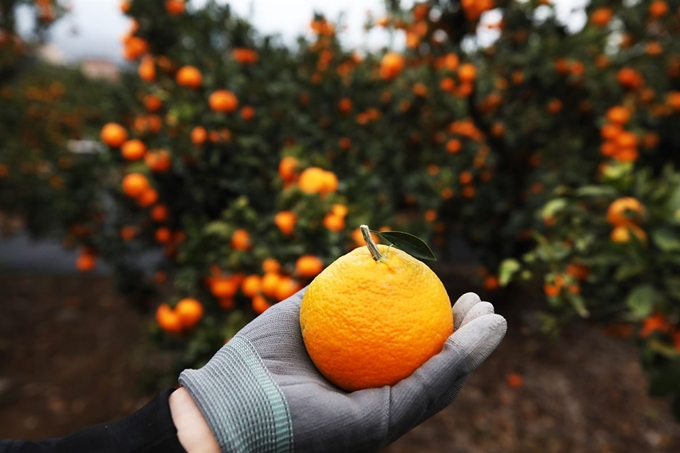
(240, 401)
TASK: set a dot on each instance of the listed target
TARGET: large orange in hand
(373, 317)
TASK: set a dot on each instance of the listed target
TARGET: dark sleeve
(149, 430)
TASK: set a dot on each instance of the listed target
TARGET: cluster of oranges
(625, 215)
(619, 144)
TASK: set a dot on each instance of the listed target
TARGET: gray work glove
(262, 393)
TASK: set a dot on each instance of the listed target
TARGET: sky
(94, 27)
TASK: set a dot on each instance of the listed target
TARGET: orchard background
(246, 164)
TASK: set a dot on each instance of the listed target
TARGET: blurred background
(170, 169)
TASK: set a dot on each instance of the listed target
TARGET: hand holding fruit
(262, 392)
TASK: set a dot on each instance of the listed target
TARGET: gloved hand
(262, 393)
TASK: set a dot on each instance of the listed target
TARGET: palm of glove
(326, 418)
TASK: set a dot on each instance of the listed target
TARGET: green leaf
(553, 206)
(595, 191)
(508, 268)
(666, 240)
(641, 301)
(625, 271)
(408, 243)
(579, 305)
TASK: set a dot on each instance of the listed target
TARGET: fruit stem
(375, 253)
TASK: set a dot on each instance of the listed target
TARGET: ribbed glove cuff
(245, 409)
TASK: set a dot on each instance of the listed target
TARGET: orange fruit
(133, 149)
(333, 222)
(270, 265)
(240, 240)
(158, 161)
(134, 184)
(618, 115)
(317, 180)
(285, 220)
(467, 73)
(147, 69)
(244, 55)
(270, 283)
(168, 319)
(190, 311)
(398, 310)
(658, 8)
(223, 101)
(308, 266)
(86, 262)
(578, 271)
(251, 285)
(286, 288)
(174, 7)
(189, 76)
(287, 168)
(260, 304)
(551, 290)
(222, 287)
(113, 134)
(391, 65)
(148, 197)
(159, 213)
(247, 113)
(601, 16)
(618, 210)
(623, 233)
(152, 103)
(163, 235)
(198, 135)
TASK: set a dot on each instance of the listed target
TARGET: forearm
(149, 430)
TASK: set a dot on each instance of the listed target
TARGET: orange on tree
(247, 113)
(333, 222)
(198, 135)
(168, 319)
(270, 283)
(134, 184)
(287, 168)
(86, 262)
(622, 233)
(133, 149)
(625, 211)
(223, 101)
(285, 221)
(152, 103)
(308, 266)
(174, 7)
(147, 69)
(158, 161)
(189, 76)
(159, 213)
(467, 73)
(270, 265)
(259, 304)
(189, 311)
(113, 134)
(240, 240)
(618, 115)
(398, 308)
(287, 287)
(601, 16)
(148, 197)
(221, 287)
(391, 65)
(251, 285)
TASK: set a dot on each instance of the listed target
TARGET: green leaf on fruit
(408, 243)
